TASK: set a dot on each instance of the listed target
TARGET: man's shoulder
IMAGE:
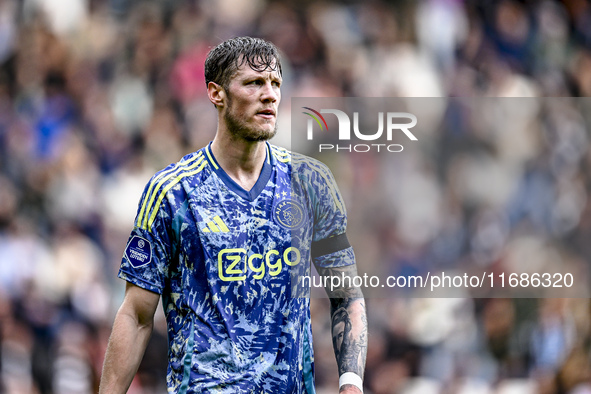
(191, 164)
(166, 183)
(191, 168)
(299, 162)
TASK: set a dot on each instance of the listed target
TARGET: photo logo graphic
(394, 122)
(310, 132)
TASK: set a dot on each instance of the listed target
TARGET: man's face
(252, 101)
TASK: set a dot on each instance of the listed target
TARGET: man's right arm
(131, 331)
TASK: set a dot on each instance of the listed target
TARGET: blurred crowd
(493, 185)
(97, 95)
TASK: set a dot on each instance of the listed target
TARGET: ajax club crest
(289, 214)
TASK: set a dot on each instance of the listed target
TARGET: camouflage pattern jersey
(228, 264)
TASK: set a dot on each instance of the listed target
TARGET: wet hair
(225, 59)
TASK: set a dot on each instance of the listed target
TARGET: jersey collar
(260, 184)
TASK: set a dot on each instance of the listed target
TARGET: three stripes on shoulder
(151, 203)
(281, 154)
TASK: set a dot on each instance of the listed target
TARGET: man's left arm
(349, 327)
(334, 260)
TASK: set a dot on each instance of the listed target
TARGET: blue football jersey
(228, 263)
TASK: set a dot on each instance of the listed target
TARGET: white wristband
(351, 378)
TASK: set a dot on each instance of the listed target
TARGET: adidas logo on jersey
(217, 225)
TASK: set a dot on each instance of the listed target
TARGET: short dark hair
(223, 60)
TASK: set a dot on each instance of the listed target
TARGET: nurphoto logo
(395, 122)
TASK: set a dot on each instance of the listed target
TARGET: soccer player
(218, 236)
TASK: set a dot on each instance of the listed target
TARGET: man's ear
(216, 94)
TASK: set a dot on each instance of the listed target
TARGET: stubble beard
(240, 129)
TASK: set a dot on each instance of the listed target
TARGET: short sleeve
(147, 254)
(330, 246)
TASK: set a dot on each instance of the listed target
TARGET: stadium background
(95, 96)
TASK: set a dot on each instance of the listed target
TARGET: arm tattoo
(349, 323)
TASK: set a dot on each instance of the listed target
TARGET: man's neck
(242, 160)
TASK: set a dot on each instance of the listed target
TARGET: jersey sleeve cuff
(139, 282)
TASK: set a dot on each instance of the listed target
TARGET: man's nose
(271, 93)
